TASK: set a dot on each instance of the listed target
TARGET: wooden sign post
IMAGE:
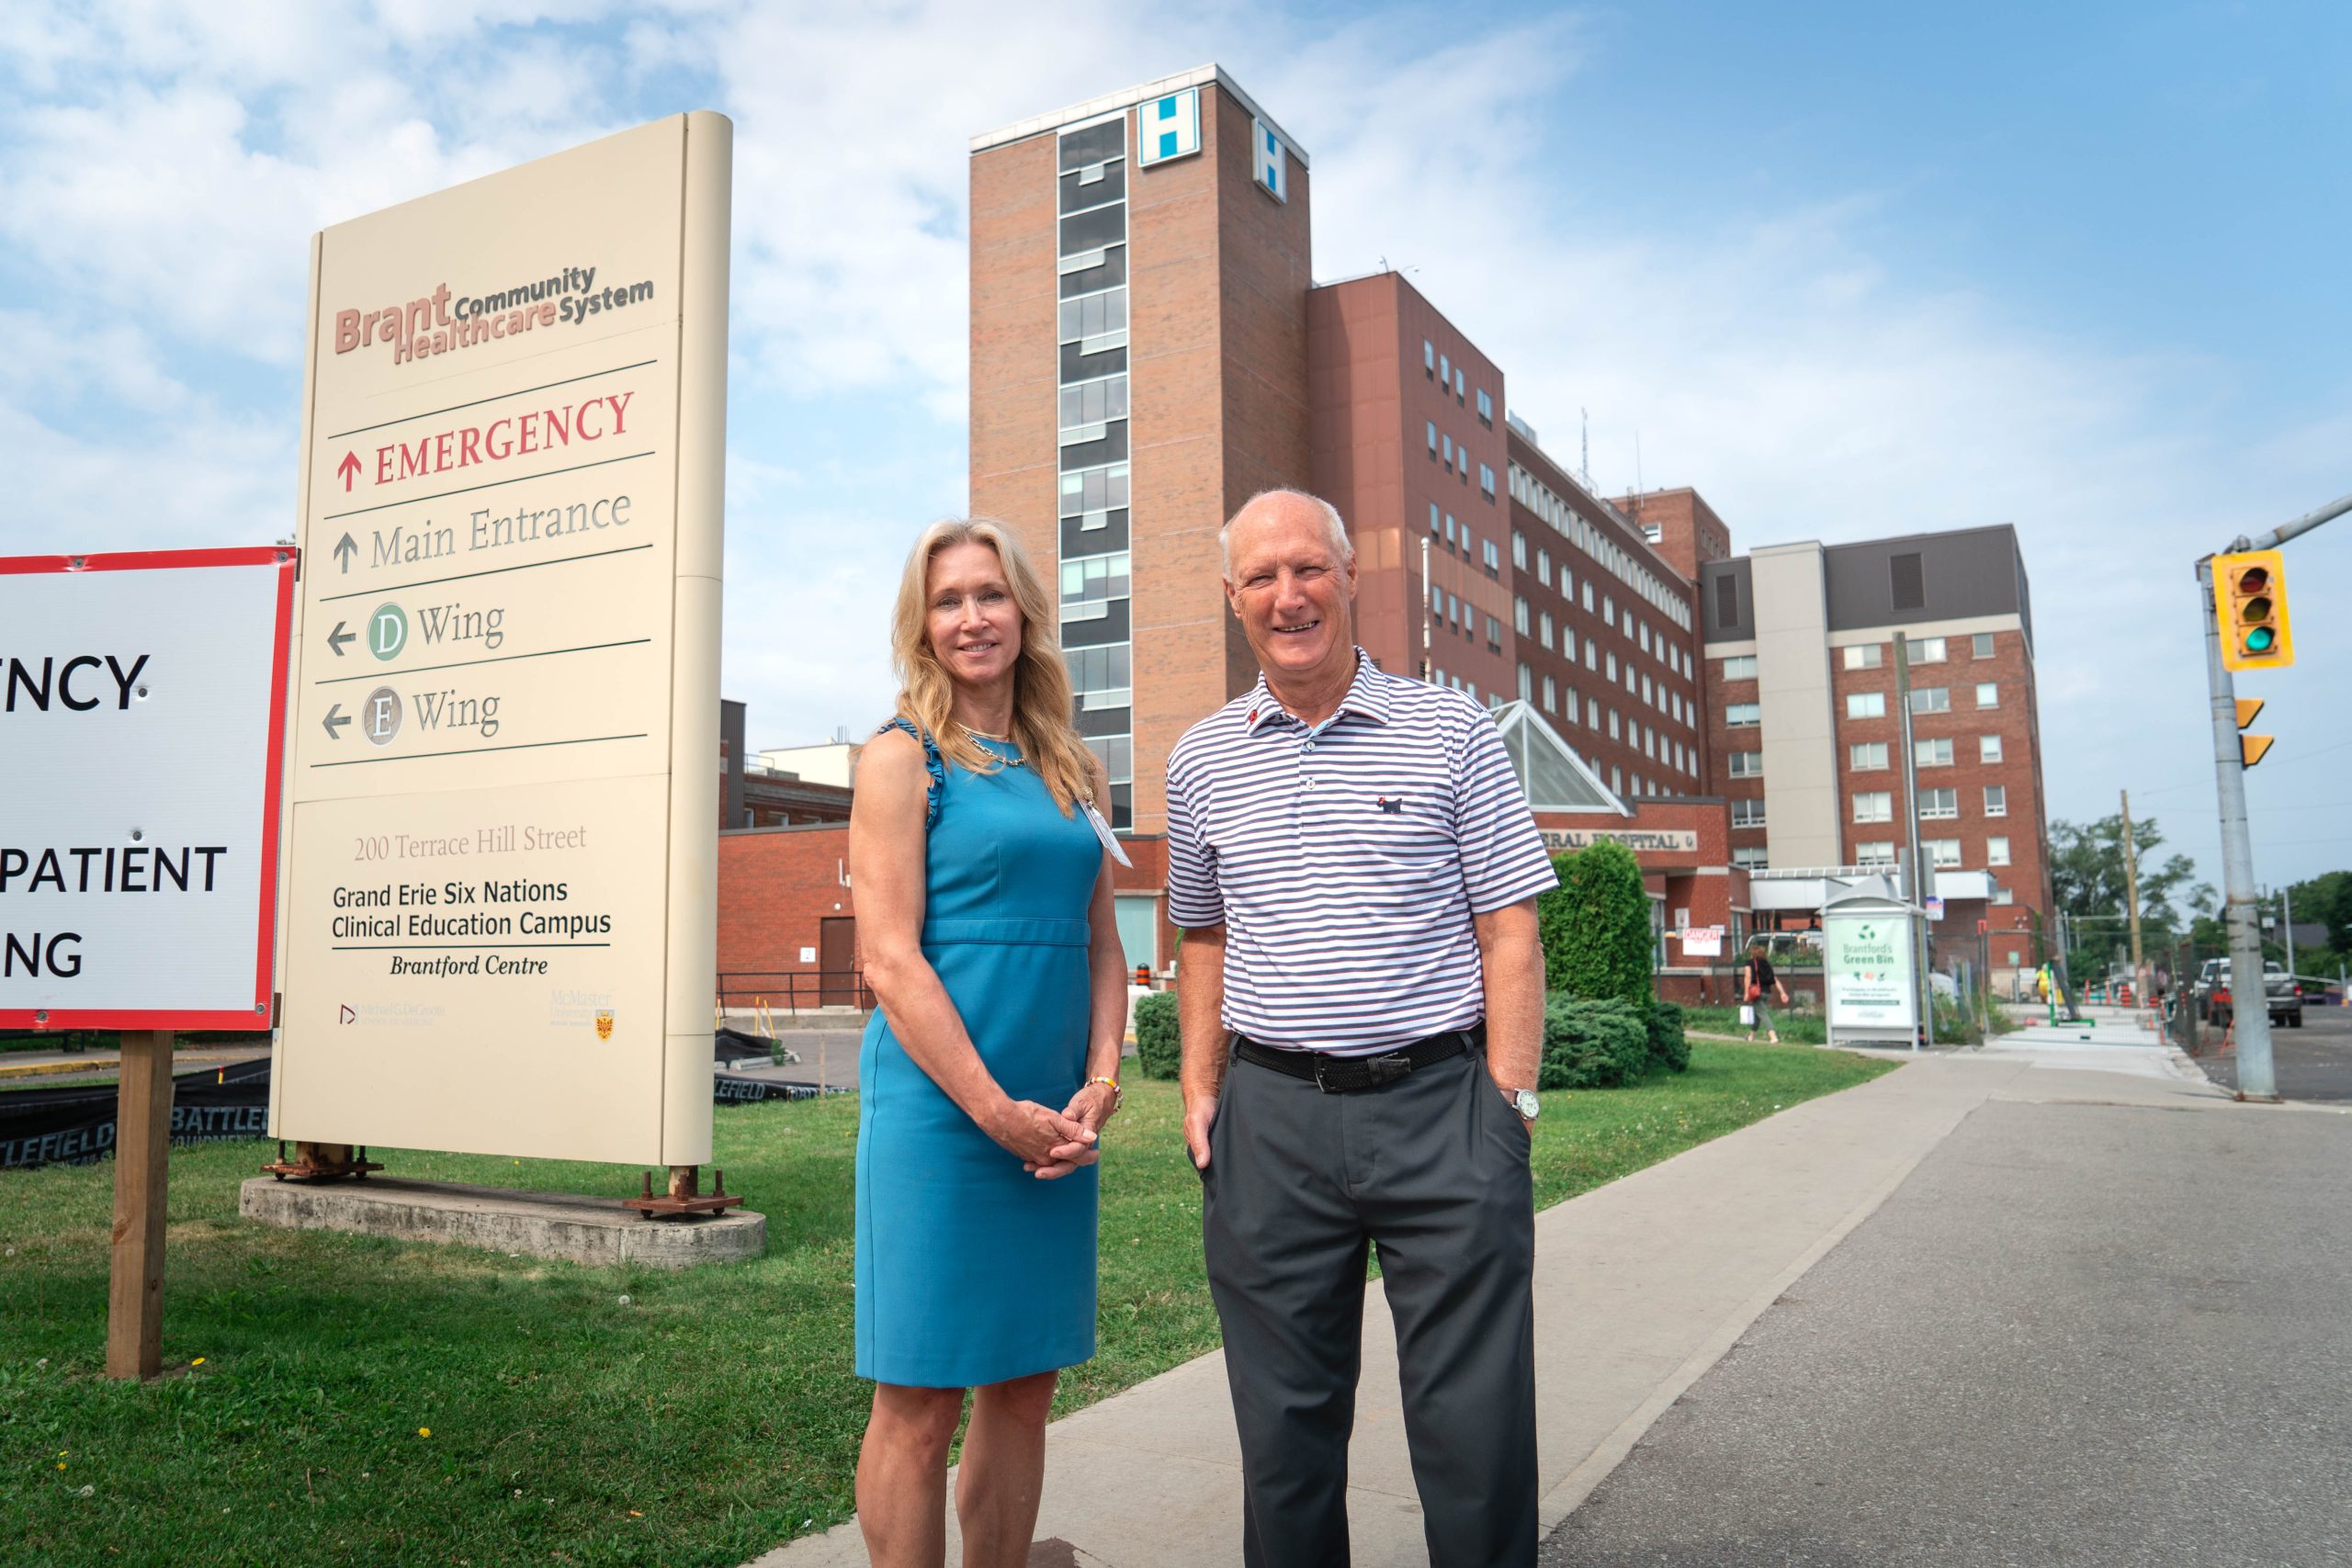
(142, 1151)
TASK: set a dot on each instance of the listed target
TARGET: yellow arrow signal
(2247, 708)
(2252, 749)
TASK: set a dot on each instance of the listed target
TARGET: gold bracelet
(1118, 1095)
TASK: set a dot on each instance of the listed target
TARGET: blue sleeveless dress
(969, 1270)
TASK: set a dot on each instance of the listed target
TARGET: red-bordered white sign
(142, 722)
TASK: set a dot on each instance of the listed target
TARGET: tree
(1595, 927)
(2086, 876)
(2326, 899)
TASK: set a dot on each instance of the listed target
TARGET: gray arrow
(337, 637)
(334, 720)
(345, 548)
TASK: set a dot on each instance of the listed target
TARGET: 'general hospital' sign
(142, 711)
(1657, 840)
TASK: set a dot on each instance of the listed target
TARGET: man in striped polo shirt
(1361, 994)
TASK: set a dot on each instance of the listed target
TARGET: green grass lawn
(347, 1400)
(1795, 1027)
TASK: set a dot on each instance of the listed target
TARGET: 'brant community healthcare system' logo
(438, 323)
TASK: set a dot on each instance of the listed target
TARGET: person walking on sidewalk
(1757, 982)
(986, 925)
(1361, 992)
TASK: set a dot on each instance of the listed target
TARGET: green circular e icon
(387, 631)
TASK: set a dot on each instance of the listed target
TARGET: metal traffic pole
(2239, 899)
(2256, 1079)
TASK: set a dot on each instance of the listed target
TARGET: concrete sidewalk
(1640, 1287)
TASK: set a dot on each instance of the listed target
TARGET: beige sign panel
(499, 898)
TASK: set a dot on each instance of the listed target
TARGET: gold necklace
(999, 739)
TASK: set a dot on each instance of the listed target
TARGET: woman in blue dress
(985, 929)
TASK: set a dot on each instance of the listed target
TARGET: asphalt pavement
(828, 1058)
(2311, 1063)
(2080, 1333)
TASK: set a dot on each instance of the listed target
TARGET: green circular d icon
(387, 631)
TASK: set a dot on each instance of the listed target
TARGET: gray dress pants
(1433, 1171)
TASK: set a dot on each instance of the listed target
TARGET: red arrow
(348, 468)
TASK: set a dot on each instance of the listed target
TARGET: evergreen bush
(1593, 1043)
(1595, 927)
(1159, 1044)
(1668, 1048)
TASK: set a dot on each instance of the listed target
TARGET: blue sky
(1849, 270)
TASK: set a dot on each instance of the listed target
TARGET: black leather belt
(1338, 1075)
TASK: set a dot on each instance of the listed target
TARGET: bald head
(1290, 575)
(1282, 511)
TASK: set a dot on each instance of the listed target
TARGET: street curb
(114, 1063)
(51, 1069)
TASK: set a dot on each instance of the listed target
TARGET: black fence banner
(74, 1126)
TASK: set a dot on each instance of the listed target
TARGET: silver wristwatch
(1523, 1100)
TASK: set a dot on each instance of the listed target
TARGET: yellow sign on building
(500, 890)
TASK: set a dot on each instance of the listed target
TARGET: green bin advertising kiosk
(1869, 977)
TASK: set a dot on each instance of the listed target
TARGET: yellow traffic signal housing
(2250, 604)
(2251, 747)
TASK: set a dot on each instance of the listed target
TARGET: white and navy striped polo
(1345, 860)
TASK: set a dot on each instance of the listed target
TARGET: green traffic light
(2260, 639)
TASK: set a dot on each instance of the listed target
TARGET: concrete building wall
(1798, 732)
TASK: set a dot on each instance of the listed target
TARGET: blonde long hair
(1041, 690)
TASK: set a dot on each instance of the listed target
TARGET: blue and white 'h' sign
(1274, 168)
(1169, 127)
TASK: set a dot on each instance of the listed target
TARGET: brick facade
(1217, 274)
(1594, 653)
(779, 887)
(1244, 374)
(1962, 727)
(1688, 887)
(1688, 531)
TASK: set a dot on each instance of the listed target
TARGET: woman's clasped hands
(1051, 1144)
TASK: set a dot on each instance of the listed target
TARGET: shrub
(1668, 1049)
(1592, 1043)
(1595, 927)
(1159, 1044)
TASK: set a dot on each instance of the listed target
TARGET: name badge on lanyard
(1102, 831)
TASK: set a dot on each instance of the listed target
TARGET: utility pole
(2256, 1079)
(1920, 876)
(2131, 898)
(2287, 915)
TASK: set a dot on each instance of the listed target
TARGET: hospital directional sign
(500, 903)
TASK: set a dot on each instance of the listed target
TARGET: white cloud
(162, 164)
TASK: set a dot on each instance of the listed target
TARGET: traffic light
(2251, 747)
(2250, 602)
